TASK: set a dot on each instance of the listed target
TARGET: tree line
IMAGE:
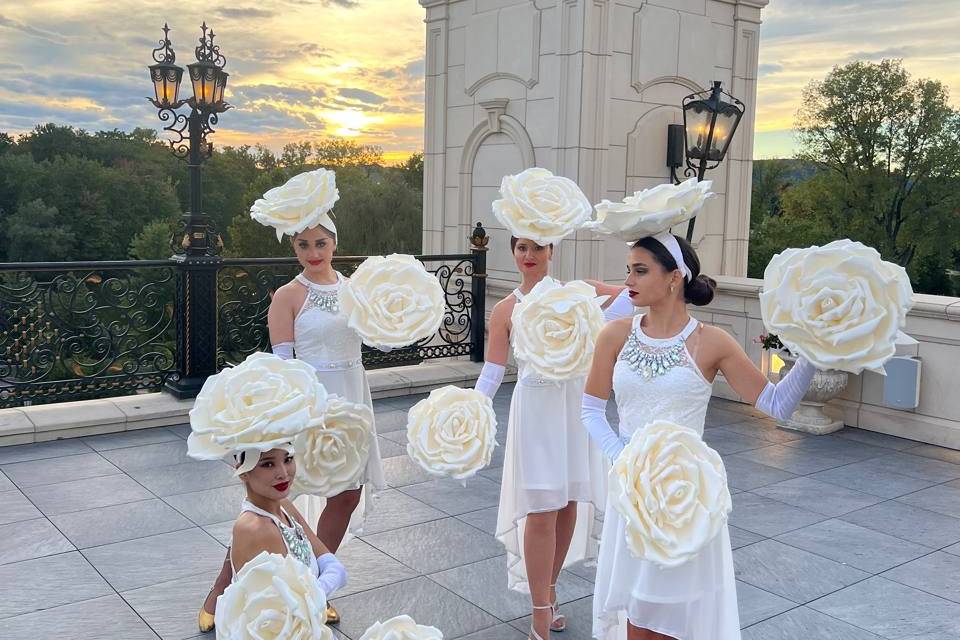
(67, 194)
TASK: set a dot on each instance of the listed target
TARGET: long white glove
(593, 414)
(621, 307)
(283, 350)
(490, 378)
(779, 400)
(333, 575)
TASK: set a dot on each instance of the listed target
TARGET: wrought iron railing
(79, 330)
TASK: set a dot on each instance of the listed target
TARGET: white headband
(668, 240)
(252, 456)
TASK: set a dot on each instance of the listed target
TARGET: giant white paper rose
(452, 432)
(273, 597)
(258, 405)
(300, 203)
(555, 327)
(401, 628)
(393, 301)
(648, 212)
(332, 459)
(839, 306)
(671, 489)
(540, 206)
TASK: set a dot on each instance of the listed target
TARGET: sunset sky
(303, 69)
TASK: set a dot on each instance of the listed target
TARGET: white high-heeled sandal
(557, 616)
(533, 635)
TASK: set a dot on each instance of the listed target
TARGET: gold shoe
(205, 621)
(333, 617)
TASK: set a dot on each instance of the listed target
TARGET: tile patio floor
(852, 536)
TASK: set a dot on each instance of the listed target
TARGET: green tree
(35, 235)
(342, 152)
(890, 148)
(412, 170)
(153, 243)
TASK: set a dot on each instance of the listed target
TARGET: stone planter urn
(809, 416)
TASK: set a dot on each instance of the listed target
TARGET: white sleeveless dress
(698, 600)
(296, 541)
(549, 461)
(322, 338)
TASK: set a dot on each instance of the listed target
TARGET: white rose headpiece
(393, 301)
(303, 202)
(652, 213)
(273, 597)
(332, 459)
(539, 206)
(452, 432)
(258, 405)
(401, 628)
(671, 490)
(555, 328)
(840, 306)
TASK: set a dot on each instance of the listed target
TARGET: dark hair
(514, 240)
(699, 289)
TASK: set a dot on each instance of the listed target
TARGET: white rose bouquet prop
(258, 405)
(840, 305)
(555, 328)
(452, 432)
(538, 205)
(671, 489)
(651, 211)
(274, 597)
(401, 628)
(332, 459)
(301, 203)
(393, 301)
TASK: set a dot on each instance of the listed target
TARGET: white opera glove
(621, 307)
(781, 399)
(333, 575)
(283, 350)
(593, 414)
(490, 378)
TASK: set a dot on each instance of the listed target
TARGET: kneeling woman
(269, 522)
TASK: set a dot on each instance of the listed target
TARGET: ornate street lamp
(709, 123)
(197, 244)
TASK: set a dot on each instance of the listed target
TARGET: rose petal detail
(401, 628)
(258, 405)
(393, 301)
(671, 490)
(651, 211)
(555, 328)
(332, 459)
(452, 432)
(840, 305)
(537, 205)
(301, 203)
(273, 597)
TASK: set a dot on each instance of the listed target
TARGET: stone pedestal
(809, 416)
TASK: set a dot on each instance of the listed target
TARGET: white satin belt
(337, 365)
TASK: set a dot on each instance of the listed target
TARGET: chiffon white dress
(697, 600)
(322, 338)
(549, 461)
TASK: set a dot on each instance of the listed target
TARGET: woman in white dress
(305, 322)
(661, 365)
(269, 522)
(553, 476)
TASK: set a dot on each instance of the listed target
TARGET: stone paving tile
(867, 478)
(893, 610)
(876, 439)
(745, 475)
(436, 545)
(756, 604)
(910, 523)
(803, 623)
(109, 441)
(937, 573)
(54, 470)
(42, 451)
(944, 498)
(91, 493)
(117, 523)
(792, 573)
(453, 498)
(106, 617)
(52, 581)
(767, 517)
(185, 478)
(30, 539)
(170, 608)
(792, 459)
(819, 497)
(149, 456)
(15, 507)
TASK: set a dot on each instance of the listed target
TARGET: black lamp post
(197, 244)
(709, 123)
